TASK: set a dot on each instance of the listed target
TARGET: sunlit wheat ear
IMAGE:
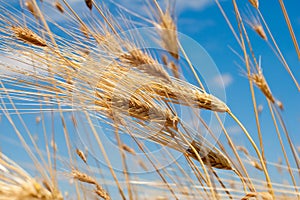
(180, 92)
(84, 178)
(210, 157)
(28, 36)
(168, 34)
(16, 183)
(260, 81)
(168, 31)
(254, 3)
(145, 63)
(102, 193)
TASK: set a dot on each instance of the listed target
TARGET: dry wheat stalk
(84, 30)
(139, 108)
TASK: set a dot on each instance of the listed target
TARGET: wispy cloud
(223, 80)
(188, 24)
(193, 4)
(233, 130)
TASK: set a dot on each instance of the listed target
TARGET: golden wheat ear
(28, 36)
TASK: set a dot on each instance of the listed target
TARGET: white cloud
(233, 130)
(223, 80)
(193, 4)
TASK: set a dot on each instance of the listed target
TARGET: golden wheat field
(149, 99)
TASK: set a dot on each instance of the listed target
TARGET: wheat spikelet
(168, 34)
(81, 155)
(82, 177)
(102, 193)
(243, 149)
(31, 8)
(261, 83)
(260, 31)
(59, 7)
(256, 165)
(210, 157)
(28, 36)
(128, 149)
(255, 24)
(142, 165)
(144, 62)
(254, 3)
(89, 4)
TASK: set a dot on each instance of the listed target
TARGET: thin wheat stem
(104, 154)
(268, 180)
(288, 22)
(283, 148)
(279, 51)
(124, 163)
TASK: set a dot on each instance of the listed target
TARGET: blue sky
(203, 21)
